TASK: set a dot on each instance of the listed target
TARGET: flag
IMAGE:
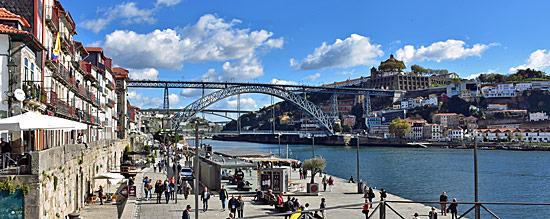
(55, 55)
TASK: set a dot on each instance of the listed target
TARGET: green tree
(418, 70)
(399, 127)
(315, 165)
(337, 127)
(347, 128)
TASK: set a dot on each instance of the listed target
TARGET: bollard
(74, 216)
(383, 210)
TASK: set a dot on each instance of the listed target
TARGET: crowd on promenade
(234, 204)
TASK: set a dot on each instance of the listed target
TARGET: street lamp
(312, 136)
(358, 184)
(279, 137)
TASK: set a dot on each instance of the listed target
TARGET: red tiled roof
(8, 29)
(94, 49)
(8, 15)
(446, 114)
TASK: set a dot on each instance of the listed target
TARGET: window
(32, 72)
(26, 69)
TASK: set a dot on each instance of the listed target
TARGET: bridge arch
(197, 106)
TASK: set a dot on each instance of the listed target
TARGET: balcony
(65, 43)
(32, 90)
(49, 62)
(63, 108)
(110, 85)
(52, 17)
(53, 98)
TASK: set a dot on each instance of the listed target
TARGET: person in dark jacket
(100, 194)
(223, 196)
(432, 214)
(240, 206)
(443, 198)
(289, 207)
(232, 205)
(453, 209)
(186, 213)
(371, 196)
(158, 190)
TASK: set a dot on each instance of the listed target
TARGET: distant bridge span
(307, 106)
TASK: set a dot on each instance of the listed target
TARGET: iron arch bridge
(310, 108)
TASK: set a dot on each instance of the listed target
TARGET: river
(421, 174)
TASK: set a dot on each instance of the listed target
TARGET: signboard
(11, 205)
(132, 191)
(124, 192)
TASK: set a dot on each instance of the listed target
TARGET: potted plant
(314, 165)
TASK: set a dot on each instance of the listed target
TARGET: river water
(421, 174)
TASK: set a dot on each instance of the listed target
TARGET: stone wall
(63, 176)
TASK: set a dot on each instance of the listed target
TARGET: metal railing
(15, 164)
(383, 209)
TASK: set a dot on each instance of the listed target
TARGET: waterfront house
(450, 120)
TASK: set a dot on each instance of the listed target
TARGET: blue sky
(307, 42)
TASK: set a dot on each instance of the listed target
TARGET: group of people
(329, 181)
(443, 199)
(168, 187)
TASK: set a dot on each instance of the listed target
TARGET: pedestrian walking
(322, 206)
(371, 196)
(240, 206)
(187, 190)
(186, 212)
(301, 173)
(432, 214)
(6, 150)
(232, 205)
(167, 191)
(330, 183)
(383, 194)
(172, 188)
(146, 181)
(223, 196)
(453, 209)
(443, 198)
(100, 194)
(158, 190)
(325, 182)
(366, 208)
(204, 197)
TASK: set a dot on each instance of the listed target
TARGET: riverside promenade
(343, 194)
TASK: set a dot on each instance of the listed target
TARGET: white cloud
(210, 39)
(312, 77)
(345, 72)
(95, 44)
(144, 74)
(352, 51)
(126, 12)
(282, 82)
(438, 51)
(167, 2)
(137, 99)
(539, 60)
(247, 103)
(174, 99)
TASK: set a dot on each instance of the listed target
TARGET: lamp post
(196, 169)
(358, 179)
(279, 137)
(312, 136)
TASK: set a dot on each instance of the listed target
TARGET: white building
(513, 135)
(538, 116)
(520, 87)
(457, 133)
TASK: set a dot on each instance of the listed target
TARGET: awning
(35, 121)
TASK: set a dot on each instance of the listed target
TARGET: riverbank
(378, 142)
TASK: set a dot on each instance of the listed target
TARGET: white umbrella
(112, 178)
(35, 121)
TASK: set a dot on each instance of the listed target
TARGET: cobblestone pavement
(343, 193)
